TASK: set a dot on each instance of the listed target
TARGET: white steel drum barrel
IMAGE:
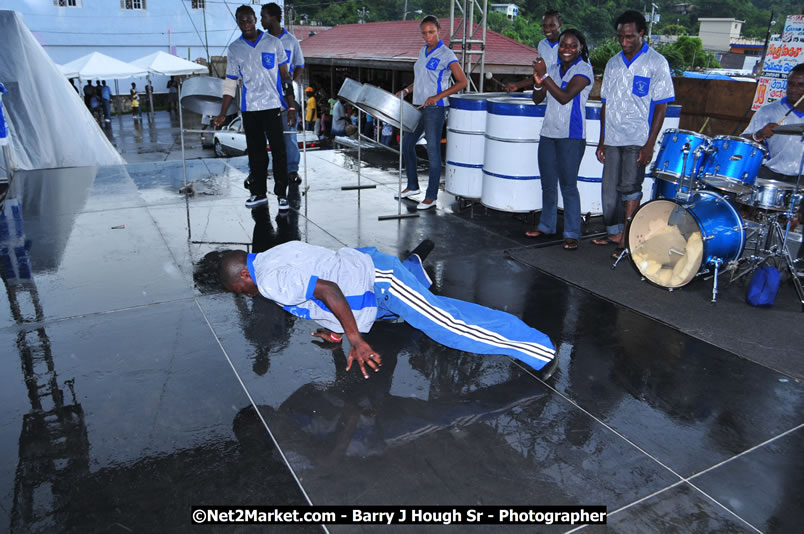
(466, 143)
(510, 164)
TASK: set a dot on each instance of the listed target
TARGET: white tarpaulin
(169, 65)
(101, 66)
(49, 125)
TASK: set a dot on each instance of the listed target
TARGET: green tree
(602, 53)
(687, 53)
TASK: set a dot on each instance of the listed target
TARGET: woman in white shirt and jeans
(430, 91)
(565, 85)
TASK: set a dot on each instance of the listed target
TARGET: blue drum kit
(694, 226)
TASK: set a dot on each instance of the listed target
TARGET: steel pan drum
(670, 243)
(466, 143)
(733, 163)
(380, 103)
(511, 179)
(204, 95)
(350, 90)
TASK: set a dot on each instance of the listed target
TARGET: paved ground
(134, 388)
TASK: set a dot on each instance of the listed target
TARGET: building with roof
(716, 34)
(383, 53)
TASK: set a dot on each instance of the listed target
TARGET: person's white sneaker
(425, 205)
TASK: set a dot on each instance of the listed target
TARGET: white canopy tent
(49, 125)
(97, 65)
(169, 65)
(103, 67)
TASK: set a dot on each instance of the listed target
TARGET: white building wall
(717, 34)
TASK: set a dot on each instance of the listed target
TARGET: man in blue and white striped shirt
(347, 290)
(260, 61)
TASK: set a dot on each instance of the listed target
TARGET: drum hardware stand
(399, 214)
(717, 263)
(359, 158)
(621, 256)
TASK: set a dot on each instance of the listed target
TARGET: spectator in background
(106, 100)
(311, 110)
(173, 94)
(338, 119)
(135, 102)
(89, 91)
(387, 133)
(149, 96)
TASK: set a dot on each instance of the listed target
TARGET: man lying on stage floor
(346, 290)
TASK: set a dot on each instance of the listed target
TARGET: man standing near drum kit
(636, 89)
(784, 151)
(547, 47)
(259, 59)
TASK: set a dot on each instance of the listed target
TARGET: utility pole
(652, 18)
(405, 11)
(765, 48)
(363, 13)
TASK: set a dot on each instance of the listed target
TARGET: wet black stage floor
(133, 387)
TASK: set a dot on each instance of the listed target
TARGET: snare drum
(670, 164)
(768, 195)
(671, 243)
(733, 163)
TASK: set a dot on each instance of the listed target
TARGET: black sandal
(570, 244)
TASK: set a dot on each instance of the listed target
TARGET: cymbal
(789, 129)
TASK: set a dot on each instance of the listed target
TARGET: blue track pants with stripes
(403, 290)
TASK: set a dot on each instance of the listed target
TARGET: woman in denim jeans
(566, 86)
(430, 90)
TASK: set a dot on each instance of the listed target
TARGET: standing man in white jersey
(636, 89)
(260, 61)
(271, 16)
(547, 47)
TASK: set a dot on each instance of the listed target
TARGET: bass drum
(671, 243)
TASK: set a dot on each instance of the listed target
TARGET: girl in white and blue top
(565, 85)
(430, 88)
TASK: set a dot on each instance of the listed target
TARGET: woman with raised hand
(566, 85)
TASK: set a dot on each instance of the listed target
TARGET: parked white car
(231, 140)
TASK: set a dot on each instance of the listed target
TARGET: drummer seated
(784, 151)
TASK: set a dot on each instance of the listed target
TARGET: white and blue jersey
(257, 64)
(548, 51)
(567, 121)
(784, 151)
(292, 50)
(631, 90)
(432, 73)
(288, 273)
(379, 286)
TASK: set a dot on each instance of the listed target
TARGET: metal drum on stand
(510, 164)
(466, 143)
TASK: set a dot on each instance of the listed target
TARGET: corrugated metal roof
(401, 40)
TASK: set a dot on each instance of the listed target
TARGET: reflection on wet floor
(128, 376)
